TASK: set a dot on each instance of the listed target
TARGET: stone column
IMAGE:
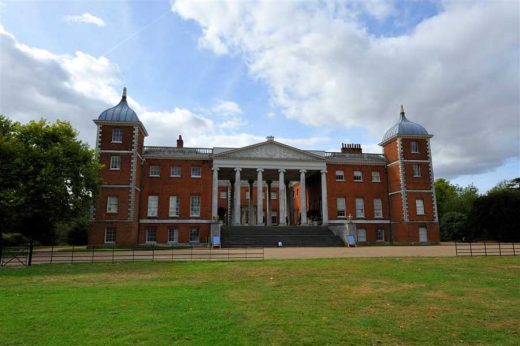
(251, 214)
(281, 197)
(214, 193)
(259, 201)
(268, 204)
(303, 199)
(236, 199)
(324, 202)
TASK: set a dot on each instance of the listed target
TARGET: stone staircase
(269, 236)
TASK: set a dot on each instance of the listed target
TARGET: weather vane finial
(124, 92)
(402, 109)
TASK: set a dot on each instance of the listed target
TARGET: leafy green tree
(513, 184)
(47, 176)
(496, 216)
(454, 203)
(453, 225)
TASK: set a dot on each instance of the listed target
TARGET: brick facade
(388, 197)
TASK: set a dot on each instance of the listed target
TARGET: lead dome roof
(405, 127)
(120, 113)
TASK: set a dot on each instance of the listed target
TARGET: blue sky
(312, 74)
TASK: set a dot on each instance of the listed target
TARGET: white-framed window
(115, 162)
(175, 171)
(274, 195)
(376, 178)
(380, 235)
(194, 235)
(110, 235)
(340, 176)
(378, 208)
(361, 235)
(340, 205)
(151, 235)
(416, 170)
(153, 205)
(223, 194)
(155, 171)
(423, 234)
(360, 207)
(414, 146)
(175, 204)
(274, 217)
(112, 203)
(195, 206)
(196, 172)
(358, 176)
(173, 235)
(419, 206)
(117, 135)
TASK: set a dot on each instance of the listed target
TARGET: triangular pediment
(269, 150)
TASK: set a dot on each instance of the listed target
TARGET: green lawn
(440, 301)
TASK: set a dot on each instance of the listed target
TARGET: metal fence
(487, 248)
(72, 254)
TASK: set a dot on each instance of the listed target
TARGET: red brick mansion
(169, 195)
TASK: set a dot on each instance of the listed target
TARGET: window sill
(196, 177)
(110, 242)
(114, 169)
(117, 142)
(154, 176)
(376, 181)
(358, 181)
(175, 176)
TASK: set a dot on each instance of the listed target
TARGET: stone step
(269, 236)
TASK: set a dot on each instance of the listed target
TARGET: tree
(496, 216)
(454, 203)
(47, 176)
(513, 184)
(453, 226)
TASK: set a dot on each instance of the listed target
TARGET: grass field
(335, 301)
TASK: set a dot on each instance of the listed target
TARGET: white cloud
(227, 108)
(37, 83)
(457, 72)
(86, 18)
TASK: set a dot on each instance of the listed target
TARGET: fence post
(93, 249)
(52, 252)
(499, 249)
(470, 249)
(191, 253)
(29, 262)
(514, 252)
(72, 257)
(485, 248)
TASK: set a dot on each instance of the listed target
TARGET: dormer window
(117, 135)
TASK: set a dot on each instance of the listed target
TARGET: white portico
(267, 164)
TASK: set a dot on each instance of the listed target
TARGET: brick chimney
(351, 148)
(180, 142)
